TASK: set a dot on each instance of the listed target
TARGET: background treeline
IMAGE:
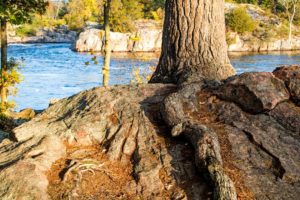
(78, 13)
(263, 19)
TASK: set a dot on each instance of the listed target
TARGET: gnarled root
(208, 157)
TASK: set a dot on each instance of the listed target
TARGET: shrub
(26, 30)
(282, 30)
(10, 79)
(38, 22)
(80, 11)
(239, 21)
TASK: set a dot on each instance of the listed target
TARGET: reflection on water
(54, 71)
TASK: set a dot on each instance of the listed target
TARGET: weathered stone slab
(254, 92)
(291, 76)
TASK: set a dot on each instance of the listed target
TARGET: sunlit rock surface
(144, 40)
(125, 123)
(122, 136)
(250, 44)
(291, 77)
(47, 35)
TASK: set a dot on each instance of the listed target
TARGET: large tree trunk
(3, 35)
(107, 50)
(194, 43)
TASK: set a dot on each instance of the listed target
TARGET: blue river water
(54, 71)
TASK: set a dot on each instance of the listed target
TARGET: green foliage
(239, 21)
(25, 30)
(38, 22)
(80, 11)
(124, 13)
(42, 21)
(267, 3)
(158, 14)
(7, 123)
(14, 12)
(12, 76)
(151, 6)
(282, 30)
(265, 34)
(262, 3)
(247, 1)
(76, 13)
(19, 11)
(50, 19)
(290, 7)
(10, 79)
(297, 19)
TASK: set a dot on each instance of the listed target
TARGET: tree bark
(107, 50)
(3, 89)
(194, 43)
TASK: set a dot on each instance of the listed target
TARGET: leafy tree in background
(14, 12)
(52, 18)
(124, 13)
(291, 7)
(80, 11)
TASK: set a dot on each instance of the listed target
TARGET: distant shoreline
(156, 52)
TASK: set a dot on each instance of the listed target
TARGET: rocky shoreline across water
(147, 38)
(54, 35)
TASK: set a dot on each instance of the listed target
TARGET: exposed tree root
(208, 157)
